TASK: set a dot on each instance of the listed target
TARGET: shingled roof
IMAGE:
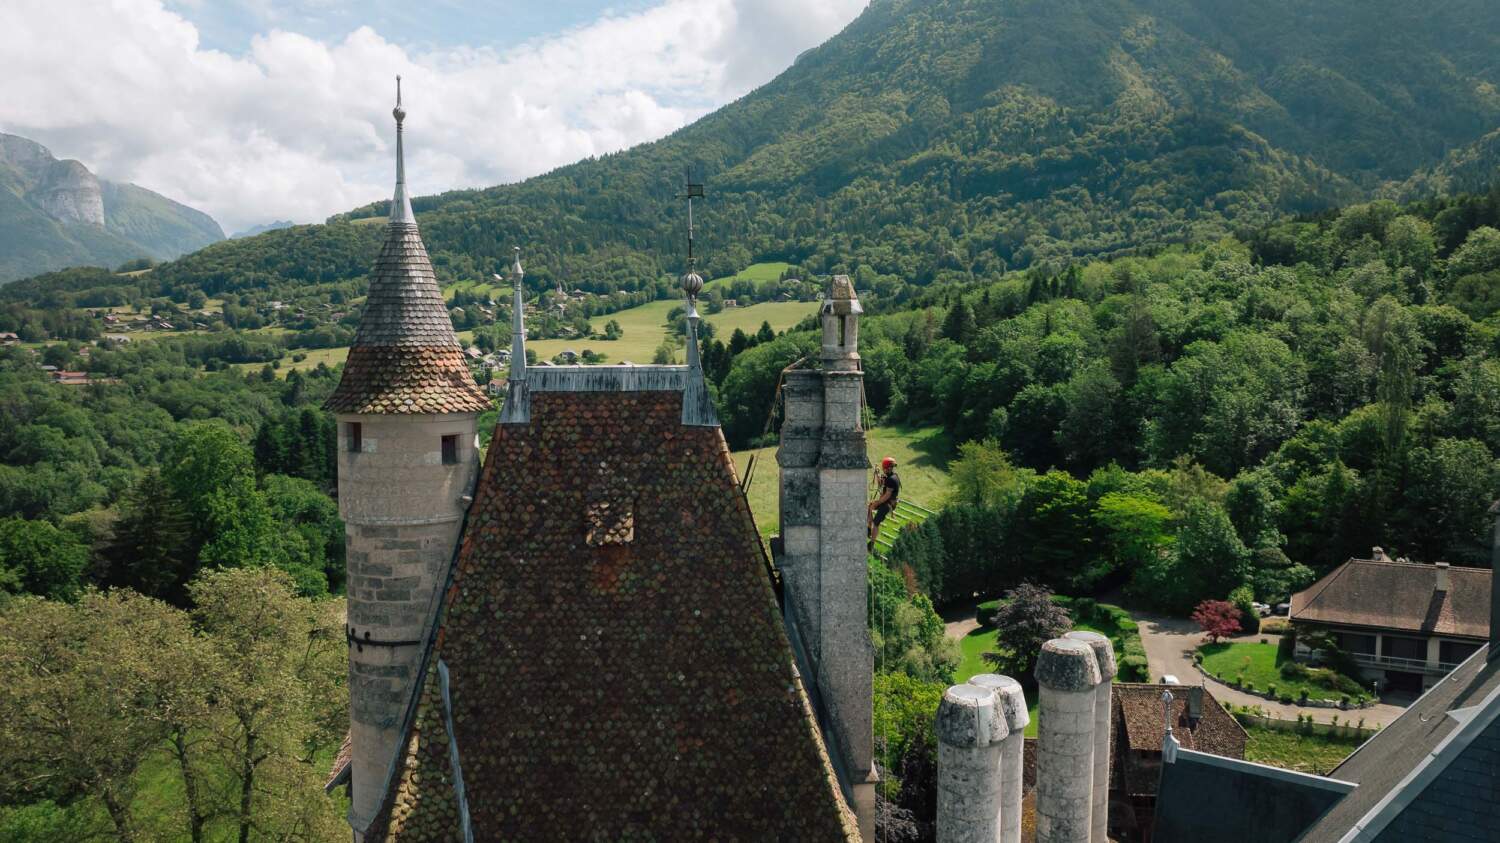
(616, 667)
(1139, 722)
(405, 357)
(1384, 594)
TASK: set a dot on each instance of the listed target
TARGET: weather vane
(694, 191)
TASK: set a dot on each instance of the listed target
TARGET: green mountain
(55, 214)
(947, 140)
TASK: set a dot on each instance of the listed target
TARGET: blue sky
(260, 110)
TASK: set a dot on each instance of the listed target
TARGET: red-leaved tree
(1218, 618)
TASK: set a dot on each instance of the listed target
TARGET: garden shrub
(985, 614)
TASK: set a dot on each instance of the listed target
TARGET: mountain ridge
(938, 141)
(56, 213)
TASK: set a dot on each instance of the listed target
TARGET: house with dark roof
(581, 639)
(1433, 775)
(1140, 720)
(1406, 624)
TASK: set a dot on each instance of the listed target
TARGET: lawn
(330, 356)
(758, 272)
(781, 314)
(1260, 667)
(1310, 753)
(921, 453)
(974, 645)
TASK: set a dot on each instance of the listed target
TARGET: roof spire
(517, 322)
(400, 203)
(697, 407)
(692, 282)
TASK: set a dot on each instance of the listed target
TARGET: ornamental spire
(517, 322)
(692, 282)
(400, 203)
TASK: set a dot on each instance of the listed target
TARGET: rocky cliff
(55, 214)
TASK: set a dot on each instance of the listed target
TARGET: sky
(261, 110)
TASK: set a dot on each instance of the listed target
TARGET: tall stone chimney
(823, 554)
(1012, 701)
(408, 456)
(971, 731)
(1444, 579)
(1104, 654)
(1069, 676)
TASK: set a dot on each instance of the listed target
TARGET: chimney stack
(1012, 702)
(1104, 655)
(971, 729)
(1068, 673)
(1377, 554)
(1443, 577)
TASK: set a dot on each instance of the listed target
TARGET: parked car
(1282, 609)
(1261, 609)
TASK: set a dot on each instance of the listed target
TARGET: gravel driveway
(1170, 643)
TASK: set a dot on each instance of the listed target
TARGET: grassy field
(1260, 667)
(781, 314)
(757, 272)
(921, 453)
(1316, 754)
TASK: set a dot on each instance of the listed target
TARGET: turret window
(355, 435)
(450, 449)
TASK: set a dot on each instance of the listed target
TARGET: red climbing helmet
(888, 463)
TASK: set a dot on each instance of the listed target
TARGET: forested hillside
(951, 140)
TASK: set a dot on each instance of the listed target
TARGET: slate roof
(405, 357)
(1399, 596)
(1206, 797)
(1437, 791)
(618, 669)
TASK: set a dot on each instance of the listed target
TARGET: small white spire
(517, 322)
(400, 203)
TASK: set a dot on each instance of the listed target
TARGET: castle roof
(609, 661)
(405, 357)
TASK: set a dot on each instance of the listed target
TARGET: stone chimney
(971, 730)
(1012, 750)
(1444, 578)
(823, 555)
(1377, 554)
(1104, 655)
(1069, 676)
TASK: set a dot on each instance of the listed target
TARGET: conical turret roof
(405, 357)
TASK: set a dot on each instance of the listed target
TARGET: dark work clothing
(891, 482)
(881, 512)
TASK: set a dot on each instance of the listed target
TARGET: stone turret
(823, 553)
(407, 459)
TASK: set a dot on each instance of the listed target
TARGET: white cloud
(299, 128)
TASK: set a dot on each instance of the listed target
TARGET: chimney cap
(1441, 565)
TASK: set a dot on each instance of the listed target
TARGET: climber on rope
(887, 495)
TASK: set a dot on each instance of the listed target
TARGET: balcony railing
(1399, 663)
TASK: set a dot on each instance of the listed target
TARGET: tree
(41, 559)
(765, 334)
(150, 550)
(1207, 561)
(86, 691)
(279, 699)
(665, 355)
(1217, 618)
(1026, 619)
(959, 325)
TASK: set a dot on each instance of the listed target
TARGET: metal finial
(398, 112)
(1166, 704)
(515, 268)
(400, 202)
(692, 282)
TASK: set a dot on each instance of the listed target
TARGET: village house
(1407, 624)
(8, 338)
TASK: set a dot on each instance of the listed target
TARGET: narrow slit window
(450, 449)
(843, 330)
(356, 437)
